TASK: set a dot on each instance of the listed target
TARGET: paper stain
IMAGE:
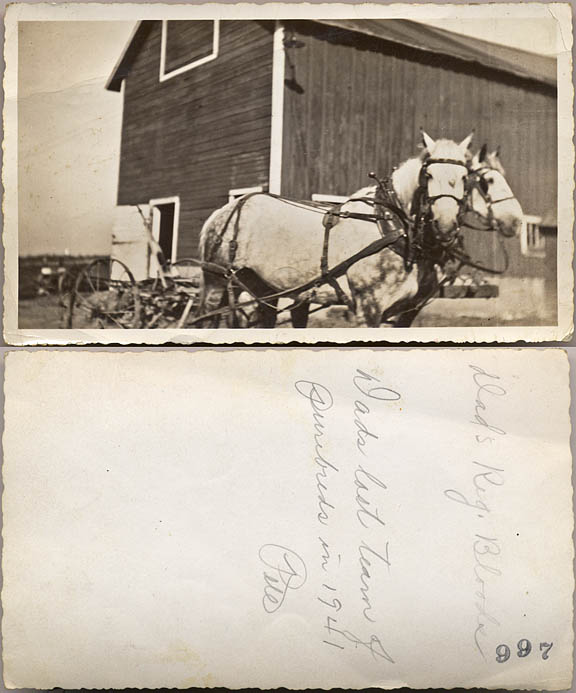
(204, 681)
(179, 652)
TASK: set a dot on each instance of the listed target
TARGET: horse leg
(405, 314)
(407, 309)
(370, 311)
(404, 311)
(265, 314)
(299, 315)
(213, 296)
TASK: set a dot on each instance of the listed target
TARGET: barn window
(187, 44)
(532, 241)
(165, 220)
(332, 199)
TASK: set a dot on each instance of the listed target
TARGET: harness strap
(329, 220)
(371, 249)
(386, 198)
(233, 243)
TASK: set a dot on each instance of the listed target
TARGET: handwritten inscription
(369, 386)
(287, 572)
(366, 510)
(321, 401)
(479, 499)
(373, 552)
(373, 644)
(372, 555)
(367, 557)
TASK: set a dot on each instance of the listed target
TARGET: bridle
(477, 181)
(423, 181)
(423, 202)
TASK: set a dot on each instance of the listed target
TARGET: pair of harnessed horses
(381, 253)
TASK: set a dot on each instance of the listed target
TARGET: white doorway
(165, 223)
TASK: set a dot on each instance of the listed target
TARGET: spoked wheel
(186, 271)
(105, 295)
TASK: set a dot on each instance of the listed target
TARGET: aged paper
(168, 170)
(288, 518)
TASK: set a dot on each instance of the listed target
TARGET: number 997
(524, 648)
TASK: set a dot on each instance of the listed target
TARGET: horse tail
(209, 234)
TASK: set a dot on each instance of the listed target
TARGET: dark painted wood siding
(200, 133)
(354, 104)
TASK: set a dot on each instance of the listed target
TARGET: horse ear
(482, 153)
(427, 140)
(467, 141)
(496, 152)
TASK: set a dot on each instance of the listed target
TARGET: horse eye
(490, 181)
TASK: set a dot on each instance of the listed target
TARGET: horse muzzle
(509, 227)
(445, 217)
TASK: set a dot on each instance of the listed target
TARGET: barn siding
(357, 103)
(200, 133)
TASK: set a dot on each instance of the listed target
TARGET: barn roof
(430, 39)
(422, 37)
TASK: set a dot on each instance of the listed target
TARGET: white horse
(490, 198)
(273, 245)
(490, 206)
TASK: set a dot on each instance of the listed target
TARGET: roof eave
(114, 82)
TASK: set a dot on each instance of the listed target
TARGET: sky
(69, 125)
(69, 135)
(508, 32)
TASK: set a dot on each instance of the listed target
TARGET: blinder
(483, 185)
(476, 180)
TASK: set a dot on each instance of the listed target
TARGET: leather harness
(398, 231)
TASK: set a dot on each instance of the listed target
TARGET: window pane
(187, 41)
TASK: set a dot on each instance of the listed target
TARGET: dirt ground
(43, 312)
(46, 312)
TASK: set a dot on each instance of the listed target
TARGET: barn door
(130, 238)
(165, 218)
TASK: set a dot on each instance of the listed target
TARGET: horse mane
(406, 177)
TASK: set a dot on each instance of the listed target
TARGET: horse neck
(405, 181)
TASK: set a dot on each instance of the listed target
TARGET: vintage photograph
(289, 518)
(237, 178)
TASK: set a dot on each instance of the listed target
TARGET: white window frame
(277, 126)
(195, 63)
(155, 212)
(336, 199)
(538, 250)
(235, 193)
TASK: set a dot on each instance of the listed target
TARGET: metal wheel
(186, 271)
(105, 295)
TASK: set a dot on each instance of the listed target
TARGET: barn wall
(200, 133)
(355, 104)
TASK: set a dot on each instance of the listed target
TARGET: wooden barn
(213, 109)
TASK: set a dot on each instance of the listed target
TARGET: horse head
(490, 196)
(442, 183)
